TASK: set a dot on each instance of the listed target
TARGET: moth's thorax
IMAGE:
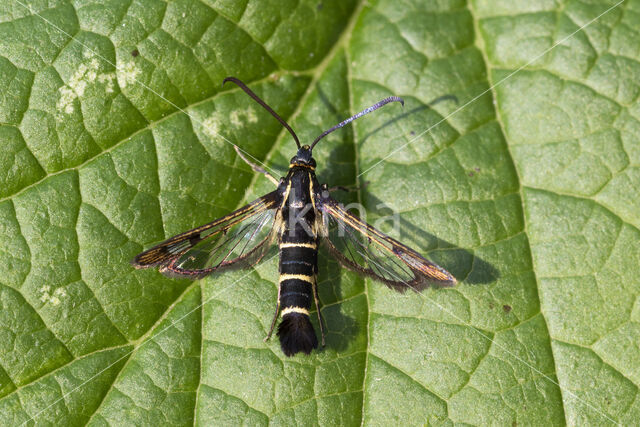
(301, 186)
(299, 207)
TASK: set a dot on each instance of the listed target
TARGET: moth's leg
(275, 317)
(341, 188)
(347, 189)
(256, 167)
(320, 319)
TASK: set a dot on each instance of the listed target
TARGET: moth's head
(303, 159)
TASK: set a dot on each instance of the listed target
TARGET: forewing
(239, 239)
(359, 246)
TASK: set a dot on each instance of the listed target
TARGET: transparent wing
(362, 248)
(237, 240)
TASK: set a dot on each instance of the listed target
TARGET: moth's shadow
(408, 113)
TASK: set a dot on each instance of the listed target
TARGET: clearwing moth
(298, 214)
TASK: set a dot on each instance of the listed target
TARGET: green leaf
(514, 164)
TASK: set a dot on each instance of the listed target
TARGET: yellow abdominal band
(294, 310)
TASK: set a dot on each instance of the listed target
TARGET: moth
(298, 215)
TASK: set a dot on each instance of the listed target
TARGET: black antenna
(264, 105)
(360, 114)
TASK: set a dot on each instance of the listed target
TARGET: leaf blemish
(127, 73)
(239, 117)
(87, 73)
(75, 87)
(211, 127)
(108, 79)
(54, 298)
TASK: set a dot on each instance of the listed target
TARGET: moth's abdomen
(298, 268)
(298, 264)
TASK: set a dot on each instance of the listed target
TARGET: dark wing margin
(239, 239)
(362, 248)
